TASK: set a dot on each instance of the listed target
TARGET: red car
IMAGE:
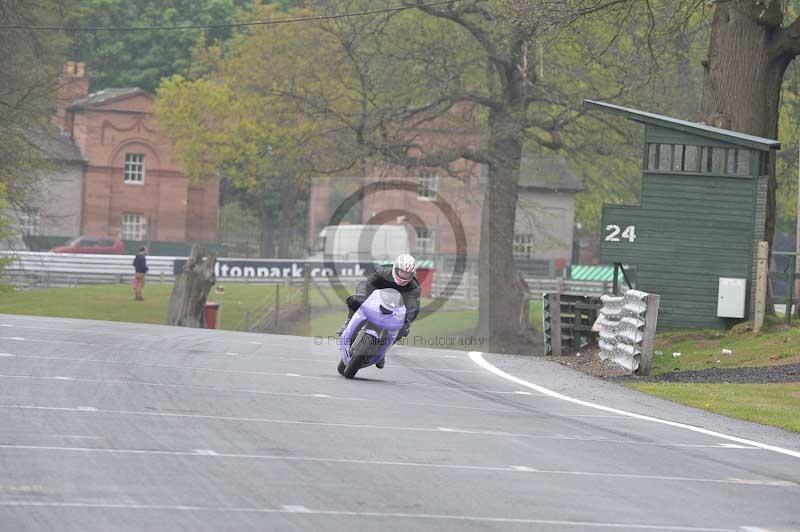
(91, 244)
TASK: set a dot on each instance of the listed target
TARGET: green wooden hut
(693, 239)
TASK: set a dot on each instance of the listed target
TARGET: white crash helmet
(403, 269)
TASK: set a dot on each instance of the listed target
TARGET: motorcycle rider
(400, 276)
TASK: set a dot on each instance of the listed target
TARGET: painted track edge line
(477, 357)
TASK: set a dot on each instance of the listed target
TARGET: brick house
(133, 186)
(545, 219)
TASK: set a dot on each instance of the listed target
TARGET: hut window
(652, 156)
(691, 159)
(665, 156)
(743, 162)
(677, 157)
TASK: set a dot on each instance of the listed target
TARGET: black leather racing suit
(382, 278)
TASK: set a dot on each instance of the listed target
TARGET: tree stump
(188, 300)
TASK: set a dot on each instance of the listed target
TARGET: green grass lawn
(701, 349)
(115, 303)
(241, 304)
(770, 404)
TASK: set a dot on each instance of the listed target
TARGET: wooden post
(762, 272)
(649, 334)
(306, 282)
(555, 323)
(277, 304)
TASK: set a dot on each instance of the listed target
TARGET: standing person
(140, 267)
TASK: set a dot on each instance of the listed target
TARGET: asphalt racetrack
(122, 427)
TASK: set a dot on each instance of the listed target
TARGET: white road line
(227, 340)
(240, 371)
(394, 463)
(345, 513)
(295, 509)
(205, 452)
(498, 392)
(130, 382)
(477, 357)
(472, 432)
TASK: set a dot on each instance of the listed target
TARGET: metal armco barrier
(567, 319)
(627, 330)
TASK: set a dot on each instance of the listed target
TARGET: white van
(376, 243)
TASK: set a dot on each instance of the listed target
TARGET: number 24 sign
(613, 233)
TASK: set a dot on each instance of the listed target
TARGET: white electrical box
(732, 296)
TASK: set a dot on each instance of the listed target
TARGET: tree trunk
(188, 299)
(499, 293)
(742, 82)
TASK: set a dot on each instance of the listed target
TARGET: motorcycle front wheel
(363, 348)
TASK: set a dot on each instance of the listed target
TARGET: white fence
(44, 270)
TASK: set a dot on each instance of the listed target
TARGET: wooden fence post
(555, 323)
(762, 273)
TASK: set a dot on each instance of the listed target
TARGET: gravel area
(756, 375)
(589, 363)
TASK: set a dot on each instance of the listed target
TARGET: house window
(29, 222)
(523, 246)
(424, 245)
(133, 226)
(427, 186)
(134, 168)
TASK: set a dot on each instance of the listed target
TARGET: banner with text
(282, 269)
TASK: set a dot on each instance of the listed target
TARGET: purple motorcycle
(371, 331)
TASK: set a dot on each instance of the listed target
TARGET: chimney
(73, 84)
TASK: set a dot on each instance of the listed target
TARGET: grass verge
(776, 404)
(769, 404)
(241, 304)
(778, 344)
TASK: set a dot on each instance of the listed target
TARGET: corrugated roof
(105, 96)
(734, 137)
(593, 273)
(548, 172)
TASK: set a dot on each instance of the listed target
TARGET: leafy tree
(330, 97)
(142, 58)
(30, 63)
(751, 45)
